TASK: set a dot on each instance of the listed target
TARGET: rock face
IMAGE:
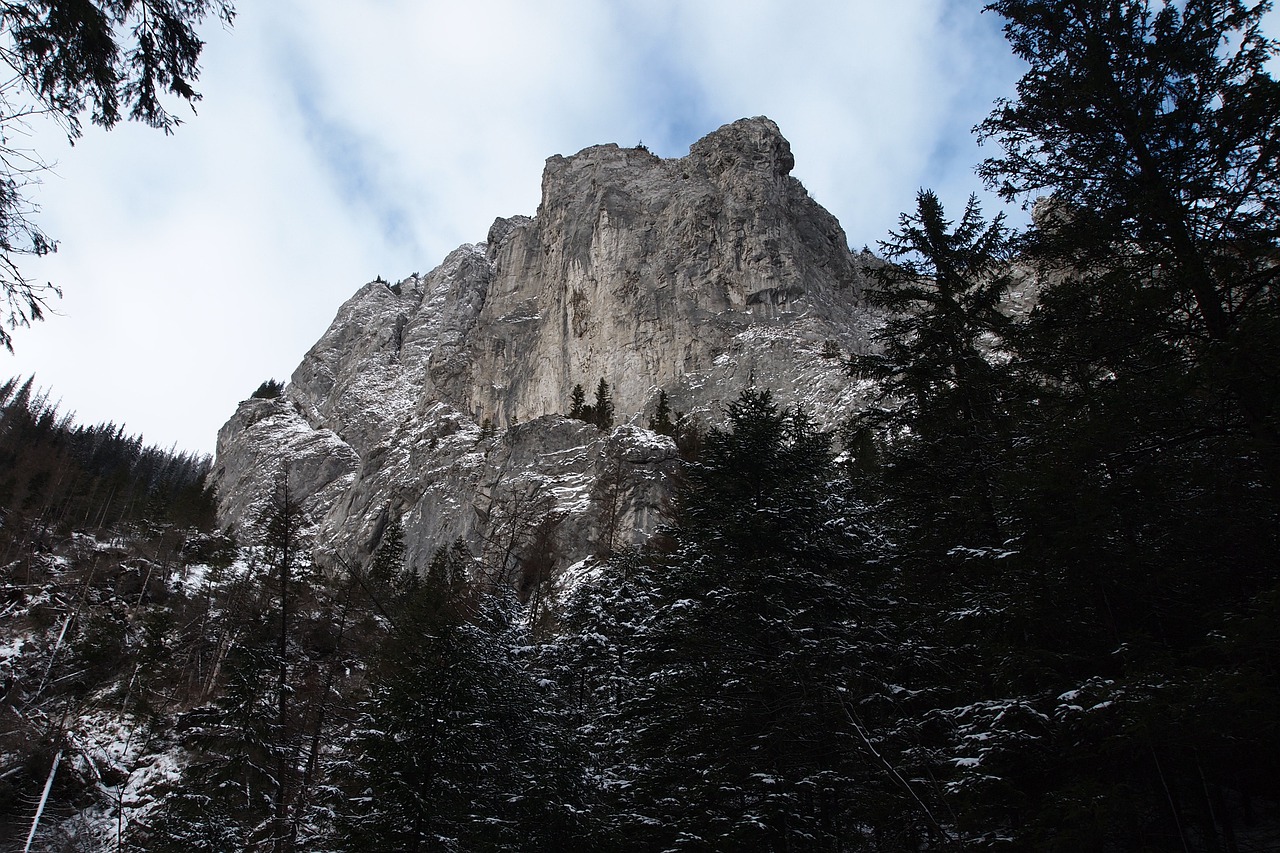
(438, 400)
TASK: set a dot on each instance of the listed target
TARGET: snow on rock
(438, 400)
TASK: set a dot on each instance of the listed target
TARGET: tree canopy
(1151, 129)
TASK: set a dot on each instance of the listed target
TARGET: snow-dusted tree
(726, 695)
(449, 750)
(387, 565)
(224, 798)
(246, 741)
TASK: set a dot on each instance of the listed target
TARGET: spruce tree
(661, 422)
(268, 390)
(602, 410)
(1131, 452)
(387, 565)
(578, 402)
(944, 399)
(450, 750)
(1150, 125)
(730, 727)
(72, 60)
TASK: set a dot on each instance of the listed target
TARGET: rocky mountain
(440, 400)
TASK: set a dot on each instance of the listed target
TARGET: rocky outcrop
(438, 399)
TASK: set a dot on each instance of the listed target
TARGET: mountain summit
(440, 402)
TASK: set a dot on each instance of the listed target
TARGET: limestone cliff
(438, 400)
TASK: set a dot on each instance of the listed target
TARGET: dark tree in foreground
(1153, 127)
(450, 750)
(600, 413)
(1096, 676)
(107, 59)
(285, 553)
(715, 683)
(944, 392)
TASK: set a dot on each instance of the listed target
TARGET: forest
(1028, 600)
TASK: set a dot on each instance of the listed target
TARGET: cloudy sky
(340, 141)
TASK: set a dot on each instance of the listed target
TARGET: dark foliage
(269, 390)
(55, 474)
(661, 422)
(578, 404)
(714, 685)
(451, 749)
(1152, 129)
(1033, 607)
(599, 413)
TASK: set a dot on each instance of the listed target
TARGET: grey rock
(438, 399)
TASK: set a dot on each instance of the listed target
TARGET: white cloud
(334, 146)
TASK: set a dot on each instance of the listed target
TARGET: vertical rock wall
(438, 399)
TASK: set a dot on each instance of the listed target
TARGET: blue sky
(338, 142)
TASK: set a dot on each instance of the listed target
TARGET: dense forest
(1029, 600)
(58, 476)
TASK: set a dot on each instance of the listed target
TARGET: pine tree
(1151, 124)
(71, 59)
(245, 740)
(450, 751)
(268, 390)
(661, 422)
(730, 730)
(224, 798)
(944, 393)
(284, 552)
(577, 403)
(387, 565)
(1131, 453)
(602, 410)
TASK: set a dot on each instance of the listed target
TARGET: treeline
(810, 658)
(217, 698)
(682, 428)
(57, 475)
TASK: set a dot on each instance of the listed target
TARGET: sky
(337, 142)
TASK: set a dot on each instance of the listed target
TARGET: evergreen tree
(58, 475)
(944, 394)
(269, 390)
(450, 750)
(1126, 451)
(577, 404)
(730, 729)
(602, 410)
(246, 740)
(661, 422)
(284, 551)
(69, 58)
(224, 797)
(1151, 124)
(387, 566)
